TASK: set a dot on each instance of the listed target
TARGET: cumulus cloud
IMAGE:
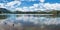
(48, 6)
(11, 4)
(42, 1)
(22, 9)
(52, 6)
(2, 5)
(42, 7)
(35, 7)
(19, 9)
(31, 0)
(25, 0)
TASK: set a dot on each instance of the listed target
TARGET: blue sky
(27, 5)
(50, 1)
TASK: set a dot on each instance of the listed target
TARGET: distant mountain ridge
(3, 10)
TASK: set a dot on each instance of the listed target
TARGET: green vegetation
(52, 12)
(3, 10)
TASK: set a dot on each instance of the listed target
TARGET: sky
(30, 5)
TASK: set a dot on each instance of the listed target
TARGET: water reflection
(32, 22)
(4, 16)
(37, 19)
(44, 19)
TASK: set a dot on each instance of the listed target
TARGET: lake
(30, 19)
(35, 18)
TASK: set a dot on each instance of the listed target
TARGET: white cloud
(2, 5)
(25, 0)
(11, 4)
(19, 9)
(52, 6)
(31, 0)
(42, 1)
(25, 9)
(35, 7)
(42, 7)
(31, 7)
(45, 6)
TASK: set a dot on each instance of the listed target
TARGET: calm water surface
(29, 22)
(28, 18)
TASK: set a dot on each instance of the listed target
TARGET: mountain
(3, 10)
